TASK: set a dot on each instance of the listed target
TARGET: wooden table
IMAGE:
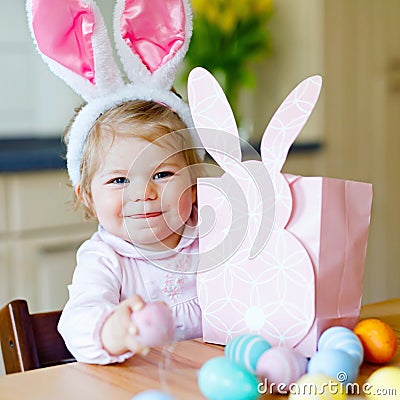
(123, 381)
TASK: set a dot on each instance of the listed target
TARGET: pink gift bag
(280, 255)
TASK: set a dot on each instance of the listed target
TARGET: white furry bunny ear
(72, 39)
(152, 37)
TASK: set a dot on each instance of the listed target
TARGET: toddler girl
(137, 179)
(130, 166)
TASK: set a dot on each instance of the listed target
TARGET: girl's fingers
(133, 344)
(135, 303)
(133, 330)
(145, 351)
(136, 347)
(129, 306)
(138, 303)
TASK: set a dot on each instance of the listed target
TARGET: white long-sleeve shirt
(110, 270)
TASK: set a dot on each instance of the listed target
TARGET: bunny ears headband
(151, 37)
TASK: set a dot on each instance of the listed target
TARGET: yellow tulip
(220, 19)
(212, 15)
(227, 13)
(227, 21)
(200, 6)
(241, 9)
(262, 6)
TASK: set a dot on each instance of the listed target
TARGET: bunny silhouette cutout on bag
(71, 37)
(267, 265)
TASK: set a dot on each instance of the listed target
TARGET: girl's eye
(120, 180)
(162, 174)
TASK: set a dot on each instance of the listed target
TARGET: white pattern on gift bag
(265, 283)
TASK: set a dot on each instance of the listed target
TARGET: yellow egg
(383, 384)
(317, 387)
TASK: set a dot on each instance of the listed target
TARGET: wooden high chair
(30, 341)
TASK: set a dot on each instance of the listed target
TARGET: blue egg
(246, 350)
(152, 395)
(222, 379)
(341, 338)
(335, 363)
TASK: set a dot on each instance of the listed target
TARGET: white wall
(297, 52)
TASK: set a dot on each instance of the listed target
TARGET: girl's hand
(118, 334)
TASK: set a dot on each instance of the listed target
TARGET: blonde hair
(146, 120)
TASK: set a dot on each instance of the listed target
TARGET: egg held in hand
(155, 324)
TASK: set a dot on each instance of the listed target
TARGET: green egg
(222, 379)
(246, 350)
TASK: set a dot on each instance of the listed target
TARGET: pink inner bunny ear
(153, 29)
(63, 32)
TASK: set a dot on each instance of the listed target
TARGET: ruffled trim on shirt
(188, 323)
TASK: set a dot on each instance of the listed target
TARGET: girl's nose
(142, 190)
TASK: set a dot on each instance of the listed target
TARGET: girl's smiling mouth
(146, 215)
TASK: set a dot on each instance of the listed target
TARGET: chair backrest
(30, 341)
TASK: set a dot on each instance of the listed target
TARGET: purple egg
(281, 366)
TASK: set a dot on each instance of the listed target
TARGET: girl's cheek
(185, 205)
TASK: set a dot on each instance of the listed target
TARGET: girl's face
(143, 193)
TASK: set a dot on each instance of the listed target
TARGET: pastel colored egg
(152, 395)
(223, 379)
(334, 363)
(246, 350)
(383, 384)
(155, 323)
(378, 339)
(281, 366)
(317, 387)
(341, 338)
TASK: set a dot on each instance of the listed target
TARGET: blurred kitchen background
(354, 133)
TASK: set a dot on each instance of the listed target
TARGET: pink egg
(155, 324)
(281, 366)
